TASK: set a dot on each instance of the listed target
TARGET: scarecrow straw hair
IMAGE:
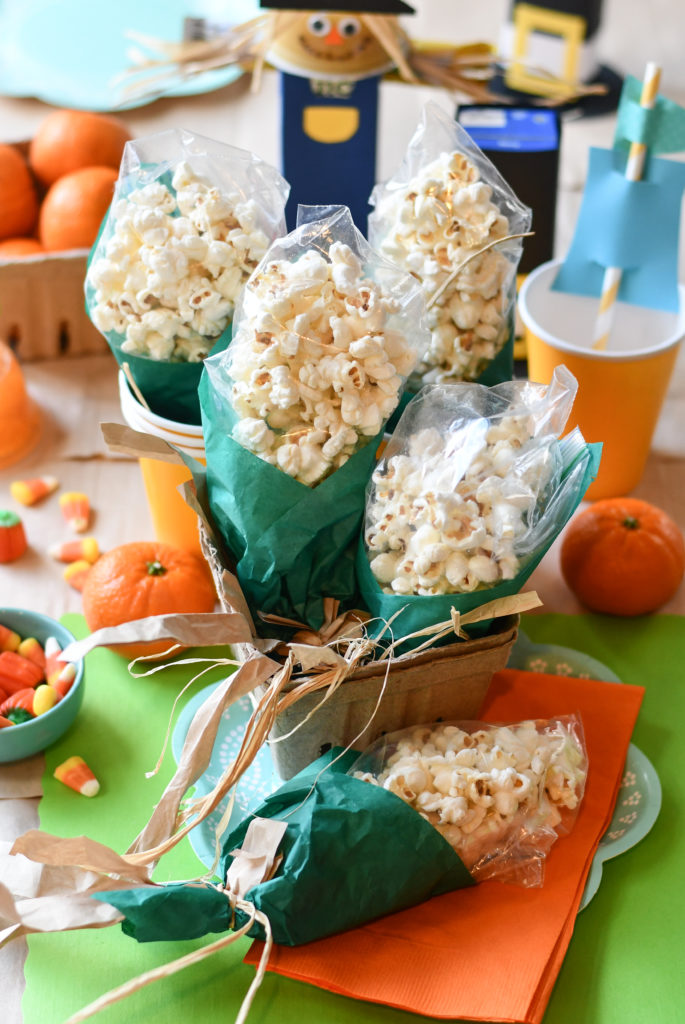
(157, 64)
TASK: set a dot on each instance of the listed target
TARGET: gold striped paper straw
(634, 169)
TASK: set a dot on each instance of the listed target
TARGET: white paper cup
(172, 520)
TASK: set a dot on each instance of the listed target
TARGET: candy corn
(16, 672)
(63, 681)
(53, 666)
(13, 542)
(75, 773)
(75, 574)
(75, 509)
(86, 549)
(44, 698)
(28, 492)
(31, 649)
(9, 640)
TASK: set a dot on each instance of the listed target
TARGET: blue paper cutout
(329, 173)
(661, 129)
(630, 225)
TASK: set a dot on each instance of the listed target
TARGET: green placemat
(622, 964)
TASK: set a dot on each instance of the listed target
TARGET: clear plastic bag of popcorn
(326, 333)
(471, 490)
(500, 794)
(437, 218)
(190, 220)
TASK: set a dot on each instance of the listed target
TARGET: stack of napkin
(493, 951)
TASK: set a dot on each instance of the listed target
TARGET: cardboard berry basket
(443, 683)
(42, 313)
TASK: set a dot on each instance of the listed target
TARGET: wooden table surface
(75, 394)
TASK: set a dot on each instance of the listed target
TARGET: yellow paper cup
(172, 520)
(620, 390)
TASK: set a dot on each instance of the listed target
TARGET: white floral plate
(637, 805)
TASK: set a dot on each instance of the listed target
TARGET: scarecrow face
(331, 44)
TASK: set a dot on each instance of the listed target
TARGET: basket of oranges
(54, 192)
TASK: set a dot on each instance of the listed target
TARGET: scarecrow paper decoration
(330, 64)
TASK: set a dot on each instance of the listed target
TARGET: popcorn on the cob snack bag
(499, 794)
(325, 334)
(351, 853)
(473, 487)
(450, 804)
(190, 220)
(445, 204)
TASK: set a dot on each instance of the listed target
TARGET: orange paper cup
(20, 418)
(173, 521)
(620, 390)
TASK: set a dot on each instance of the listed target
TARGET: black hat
(364, 6)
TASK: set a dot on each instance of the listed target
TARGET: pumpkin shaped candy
(13, 541)
(623, 556)
(144, 578)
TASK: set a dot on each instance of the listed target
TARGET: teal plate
(639, 797)
(70, 53)
(637, 805)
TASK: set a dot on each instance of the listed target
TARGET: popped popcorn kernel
(435, 218)
(484, 788)
(316, 356)
(167, 279)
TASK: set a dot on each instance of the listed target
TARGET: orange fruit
(68, 140)
(16, 248)
(623, 556)
(18, 196)
(145, 578)
(74, 207)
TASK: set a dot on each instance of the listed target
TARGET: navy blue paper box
(523, 143)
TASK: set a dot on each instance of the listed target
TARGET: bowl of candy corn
(40, 695)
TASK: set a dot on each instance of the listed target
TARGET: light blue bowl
(19, 741)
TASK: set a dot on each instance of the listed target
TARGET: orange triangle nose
(334, 38)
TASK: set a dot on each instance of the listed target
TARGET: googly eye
(318, 24)
(349, 27)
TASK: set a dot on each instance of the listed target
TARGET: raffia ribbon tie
(256, 861)
(335, 627)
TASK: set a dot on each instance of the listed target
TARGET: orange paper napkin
(491, 952)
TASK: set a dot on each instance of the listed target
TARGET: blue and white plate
(637, 805)
(639, 798)
(70, 53)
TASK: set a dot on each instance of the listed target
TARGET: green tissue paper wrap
(579, 461)
(170, 389)
(352, 852)
(292, 545)
(141, 278)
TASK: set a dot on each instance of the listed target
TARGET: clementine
(17, 248)
(623, 556)
(18, 196)
(74, 207)
(142, 578)
(67, 140)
